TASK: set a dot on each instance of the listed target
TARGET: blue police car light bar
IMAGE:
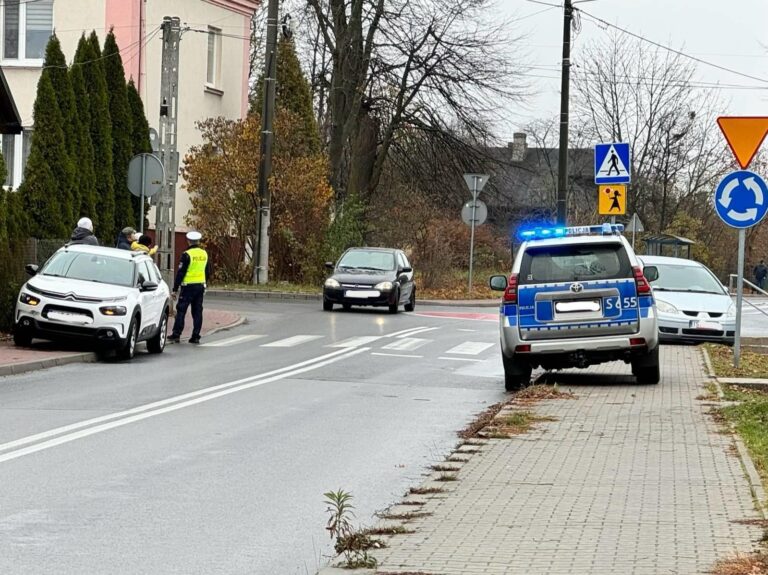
(541, 233)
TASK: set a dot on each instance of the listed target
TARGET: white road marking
(406, 344)
(417, 331)
(292, 341)
(232, 340)
(160, 407)
(459, 359)
(404, 332)
(470, 348)
(356, 341)
(398, 355)
(468, 330)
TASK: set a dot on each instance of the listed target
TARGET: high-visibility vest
(198, 259)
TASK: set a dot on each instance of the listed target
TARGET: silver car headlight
(731, 310)
(332, 283)
(665, 307)
(383, 286)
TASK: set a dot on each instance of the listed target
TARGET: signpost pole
(634, 225)
(739, 296)
(472, 234)
(143, 190)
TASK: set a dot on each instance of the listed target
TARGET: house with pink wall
(213, 62)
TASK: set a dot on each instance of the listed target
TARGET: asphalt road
(214, 459)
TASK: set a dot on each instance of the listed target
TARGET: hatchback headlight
(383, 286)
(665, 307)
(28, 299)
(113, 310)
(332, 283)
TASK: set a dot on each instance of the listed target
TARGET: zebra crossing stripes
(470, 348)
(356, 341)
(232, 340)
(406, 344)
(292, 341)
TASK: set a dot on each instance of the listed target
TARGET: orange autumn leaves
(222, 176)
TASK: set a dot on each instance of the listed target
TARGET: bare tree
(626, 91)
(403, 65)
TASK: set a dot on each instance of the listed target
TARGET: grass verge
(742, 564)
(750, 418)
(752, 364)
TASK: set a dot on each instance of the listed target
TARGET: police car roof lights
(541, 233)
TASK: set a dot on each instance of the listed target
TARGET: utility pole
(562, 167)
(261, 269)
(165, 224)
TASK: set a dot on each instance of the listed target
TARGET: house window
(214, 57)
(27, 26)
(15, 154)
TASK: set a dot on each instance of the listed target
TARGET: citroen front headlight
(332, 283)
(383, 286)
(665, 307)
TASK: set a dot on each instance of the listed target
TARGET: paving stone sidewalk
(629, 480)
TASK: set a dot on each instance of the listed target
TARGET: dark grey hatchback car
(370, 277)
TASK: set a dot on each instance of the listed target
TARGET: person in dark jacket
(126, 238)
(83, 233)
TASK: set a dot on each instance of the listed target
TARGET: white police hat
(194, 236)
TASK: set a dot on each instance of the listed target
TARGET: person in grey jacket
(83, 233)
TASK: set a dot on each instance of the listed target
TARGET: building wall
(136, 24)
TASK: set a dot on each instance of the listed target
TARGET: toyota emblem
(577, 288)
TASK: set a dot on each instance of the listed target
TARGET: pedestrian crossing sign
(612, 200)
(612, 163)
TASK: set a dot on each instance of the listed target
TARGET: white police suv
(576, 297)
(115, 298)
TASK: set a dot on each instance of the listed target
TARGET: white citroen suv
(113, 297)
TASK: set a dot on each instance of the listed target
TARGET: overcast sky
(730, 33)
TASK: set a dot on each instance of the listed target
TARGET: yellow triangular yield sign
(745, 134)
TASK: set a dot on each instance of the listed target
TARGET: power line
(670, 49)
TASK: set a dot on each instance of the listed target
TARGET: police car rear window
(564, 263)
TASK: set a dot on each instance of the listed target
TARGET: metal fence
(38, 251)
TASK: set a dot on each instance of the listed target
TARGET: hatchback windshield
(574, 262)
(368, 260)
(693, 279)
(90, 267)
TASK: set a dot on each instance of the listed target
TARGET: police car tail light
(636, 341)
(510, 294)
(643, 287)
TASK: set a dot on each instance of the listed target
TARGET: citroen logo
(577, 288)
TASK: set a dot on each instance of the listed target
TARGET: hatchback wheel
(21, 337)
(327, 305)
(393, 307)
(157, 343)
(411, 305)
(129, 348)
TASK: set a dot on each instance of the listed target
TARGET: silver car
(691, 302)
(577, 297)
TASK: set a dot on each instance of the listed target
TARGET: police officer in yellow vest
(192, 278)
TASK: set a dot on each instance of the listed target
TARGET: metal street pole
(261, 269)
(562, 168)
(472, 234)
(143, 190)
(739, 298)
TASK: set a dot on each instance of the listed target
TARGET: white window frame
(18, 159)
(22, 61)
(216, 33)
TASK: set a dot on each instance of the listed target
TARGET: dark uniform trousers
(190, 295)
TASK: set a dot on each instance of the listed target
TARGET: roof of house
(10, 121)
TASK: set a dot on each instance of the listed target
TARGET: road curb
(266, 295)
(38, 364)
(750, 470)
(86, 357)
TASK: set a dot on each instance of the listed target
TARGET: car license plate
(362, 293)
(577, 306)
(706, 325)
(69, 317)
